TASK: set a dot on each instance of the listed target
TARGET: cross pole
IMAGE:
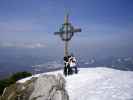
(66, 32)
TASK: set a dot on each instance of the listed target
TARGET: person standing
(66, 64)
(73, 63)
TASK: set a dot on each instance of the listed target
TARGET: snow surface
(98, 84)
(28, 78)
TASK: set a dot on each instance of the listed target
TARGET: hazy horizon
(106, 26)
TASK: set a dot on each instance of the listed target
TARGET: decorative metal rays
(66, 32)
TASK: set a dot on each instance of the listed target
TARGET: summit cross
(66, 32)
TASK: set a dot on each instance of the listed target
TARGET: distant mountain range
(121, 63)
(36, 64)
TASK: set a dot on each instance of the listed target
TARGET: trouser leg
(65, 71)
(76, 70)
(70, 70)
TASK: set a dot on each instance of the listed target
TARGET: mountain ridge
(92, 84)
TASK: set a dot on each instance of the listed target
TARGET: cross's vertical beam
(66, 49)
(66, 20)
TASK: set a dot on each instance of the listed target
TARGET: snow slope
(98, 84)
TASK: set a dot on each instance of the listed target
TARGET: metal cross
(66, 32)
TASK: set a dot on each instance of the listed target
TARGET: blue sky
(106, 24)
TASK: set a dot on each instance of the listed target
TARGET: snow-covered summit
(98, 84)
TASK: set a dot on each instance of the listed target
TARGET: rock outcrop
(45, 87)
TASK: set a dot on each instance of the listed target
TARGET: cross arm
(74, 31)
(77, 30)
(57, 33)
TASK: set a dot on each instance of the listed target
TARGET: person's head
(69, 56)
(65, 58)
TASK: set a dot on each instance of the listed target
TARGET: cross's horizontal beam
(77, 30)
(57, 33)
(71, 31)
